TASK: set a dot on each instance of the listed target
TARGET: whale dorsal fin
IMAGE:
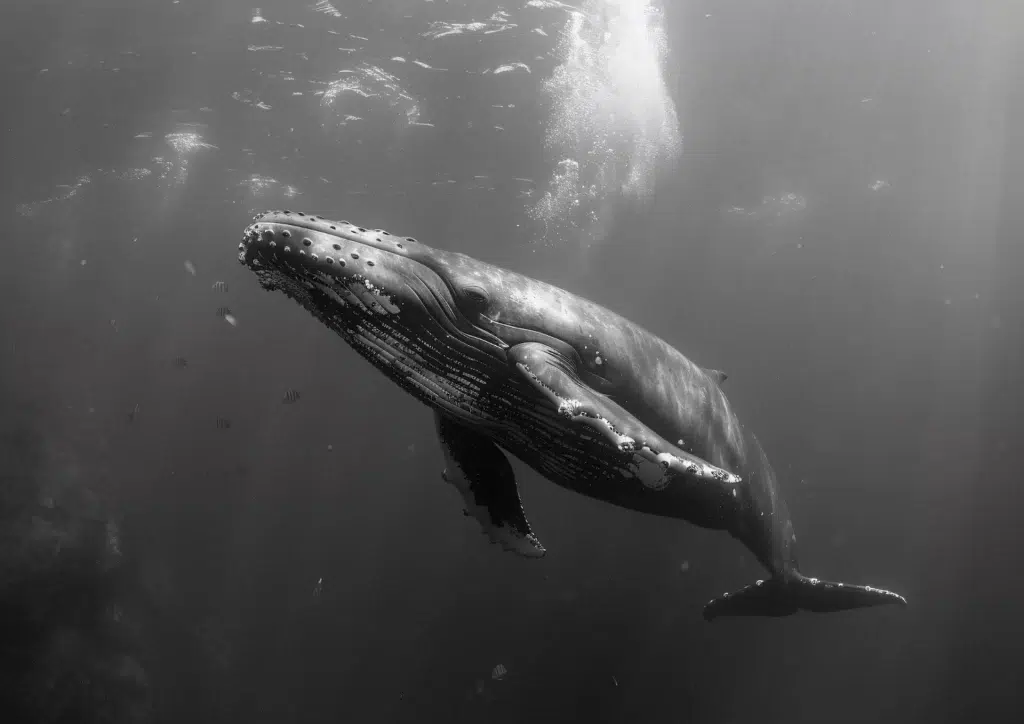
(717, 375)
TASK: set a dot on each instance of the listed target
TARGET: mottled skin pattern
(590, 400)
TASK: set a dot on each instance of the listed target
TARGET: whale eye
(476, 296)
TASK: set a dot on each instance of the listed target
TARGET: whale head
(406, 307)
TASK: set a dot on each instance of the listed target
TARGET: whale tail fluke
(782, 597)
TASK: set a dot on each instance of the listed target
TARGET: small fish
(499, 672)
(220, 286)
(190, 267)
(319, 587)
(684, 566)
(291, 396)
(180, 362)
(615, 681)
(113, 323)
(223, 423)
(134, 413)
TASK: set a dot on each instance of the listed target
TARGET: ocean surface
(212, 510)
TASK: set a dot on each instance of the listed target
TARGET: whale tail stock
(782, 596)
(765, 527)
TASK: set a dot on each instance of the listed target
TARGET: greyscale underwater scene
(529, 361)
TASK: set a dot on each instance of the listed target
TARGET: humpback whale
(588, 399)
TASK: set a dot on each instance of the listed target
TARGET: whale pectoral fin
(655, 461)
(483, 476)
(776, 597)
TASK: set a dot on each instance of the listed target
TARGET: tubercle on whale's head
(341, 272)
(312, 239)
(291, 249)
(286, 245)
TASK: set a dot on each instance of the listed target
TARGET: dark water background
(161, 569)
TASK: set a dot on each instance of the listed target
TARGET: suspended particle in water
(190, 267)
(223, 423)
(291, 397)
(225, 314)
(220, 286)
(499, 672)
(180, 363)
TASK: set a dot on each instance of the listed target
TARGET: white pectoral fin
(655, 461)
(478, 469)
